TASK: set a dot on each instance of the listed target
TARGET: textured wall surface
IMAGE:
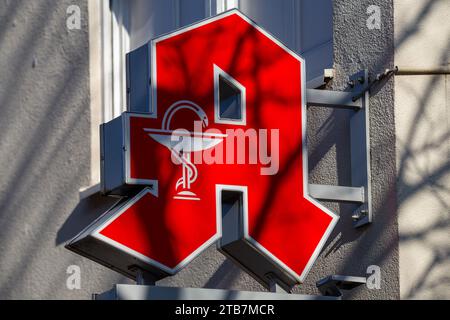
(45, 139)
(350, 251)
(44, 151)
(422, 112)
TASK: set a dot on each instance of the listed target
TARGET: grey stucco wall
(350, 250)
(44, 150)
(45, 144)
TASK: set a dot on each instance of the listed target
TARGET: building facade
(63, 74)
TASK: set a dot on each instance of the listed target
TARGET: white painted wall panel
(192, 11)
(304, 26)
(149, 19)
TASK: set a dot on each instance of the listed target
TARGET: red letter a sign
(219, 156)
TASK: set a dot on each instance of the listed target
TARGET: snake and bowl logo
(181, 143)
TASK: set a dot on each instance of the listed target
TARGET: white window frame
(109, 41)
(224, 5)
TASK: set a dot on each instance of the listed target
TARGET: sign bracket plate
(359, 192)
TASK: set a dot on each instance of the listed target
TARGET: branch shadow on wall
(327, 136)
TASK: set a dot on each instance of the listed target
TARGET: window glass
(230, 101)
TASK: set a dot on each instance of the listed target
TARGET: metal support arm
(332, 99)
(337, 193)
(357, 100)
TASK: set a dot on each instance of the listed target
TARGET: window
(232, 215)
(229, 99)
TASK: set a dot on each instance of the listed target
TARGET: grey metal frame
(334, 99)
(138, 71)
(141, 292)
(337, 193)
(360, 190)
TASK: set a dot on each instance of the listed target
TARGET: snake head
(204, 121)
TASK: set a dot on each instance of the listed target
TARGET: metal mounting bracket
(359, 192)
(331, 286)
(151, 292)
(334, 99)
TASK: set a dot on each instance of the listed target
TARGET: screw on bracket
(359, 214)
